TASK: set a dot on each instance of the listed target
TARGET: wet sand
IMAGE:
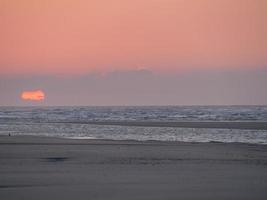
(54, 168)
(248, 125)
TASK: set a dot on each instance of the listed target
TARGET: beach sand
(54, 168)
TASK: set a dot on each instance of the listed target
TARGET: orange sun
(37, 95)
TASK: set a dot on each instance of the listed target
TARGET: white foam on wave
(36, 121)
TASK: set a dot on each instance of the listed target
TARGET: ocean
(78, 122)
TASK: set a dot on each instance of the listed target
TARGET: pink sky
(78, 36)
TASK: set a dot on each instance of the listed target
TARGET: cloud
(141, 87)
(37, 95)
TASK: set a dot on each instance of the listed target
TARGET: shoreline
(243, 125)
(72, 140)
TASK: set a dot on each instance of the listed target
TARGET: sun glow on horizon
(37, 95)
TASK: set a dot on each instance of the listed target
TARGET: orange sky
(77, 36)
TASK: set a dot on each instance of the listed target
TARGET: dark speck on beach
(56, 159)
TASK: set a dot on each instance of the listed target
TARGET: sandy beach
(54, 168)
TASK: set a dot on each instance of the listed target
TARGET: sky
(142, 52)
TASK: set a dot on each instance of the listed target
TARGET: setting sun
(133, 99)
(37, 95)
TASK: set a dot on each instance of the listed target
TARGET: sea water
(72, 122)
